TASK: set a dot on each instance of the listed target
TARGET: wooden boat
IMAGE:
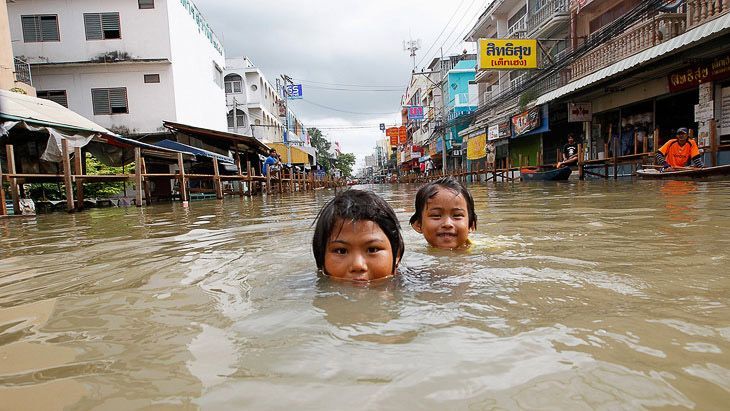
(534, 174)
(652, 173)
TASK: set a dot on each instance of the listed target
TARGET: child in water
(444, 214)
(357, 237)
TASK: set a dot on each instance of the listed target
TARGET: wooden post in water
(645, 148)
(268, 180)
(636, 142)
(581, 176)
(713, 142)
(183, 183)
(280, 173)
(605, 158)
(249, 178)
(145, 183)
(615, 158)
(78, 170)
(3, 207)
(217, 180)
(67, 181)
(12, 180)
(240, 174)
(656, 146)
(138, 176)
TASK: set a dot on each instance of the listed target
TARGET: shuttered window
(146, 4)
(109, 100)
(58, 96)
(102, 26)
(42, 27)
(151, 78)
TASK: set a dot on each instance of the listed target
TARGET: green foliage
(344, 162)
(526, 97)
(95, 167)
(320, 143)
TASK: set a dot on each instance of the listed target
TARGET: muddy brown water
(577, 295)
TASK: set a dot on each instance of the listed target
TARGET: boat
(534, 174)
(652, 173)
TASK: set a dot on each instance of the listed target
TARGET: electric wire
(436, 40)
(345, 111)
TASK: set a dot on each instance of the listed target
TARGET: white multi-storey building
(126, 65)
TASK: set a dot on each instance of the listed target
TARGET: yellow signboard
(476, 147)
(298, 156)
(507, 54)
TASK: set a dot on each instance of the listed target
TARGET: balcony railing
(22, 72)
(547, 12)
(518, 29)
(701, 11)
(645, 35)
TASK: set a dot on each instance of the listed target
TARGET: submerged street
(576, 295)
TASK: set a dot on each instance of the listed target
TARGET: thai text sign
(510, 54)
(696, 74)
(526, 121)
(476, 147)
(392, 133)
(402, 135)
(415, 112)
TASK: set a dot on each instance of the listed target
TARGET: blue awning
(174, 145)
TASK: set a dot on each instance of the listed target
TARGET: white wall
(149, 103)
(199, 101)
(144, 32)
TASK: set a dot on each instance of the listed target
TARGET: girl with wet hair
(357, 237)
(445, 214)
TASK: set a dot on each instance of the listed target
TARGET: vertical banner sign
(509, 54)
(476, 147)
(415, 113)
(402, 135)
(392, 133)
(580, 112)
(294, 91)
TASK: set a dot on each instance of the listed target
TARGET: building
(14, 72)
(124, 65)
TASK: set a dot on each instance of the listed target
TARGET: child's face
(445, 220)
(358, 251)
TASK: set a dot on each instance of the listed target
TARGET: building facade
(124, 65)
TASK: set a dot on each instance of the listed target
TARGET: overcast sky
(335, 44)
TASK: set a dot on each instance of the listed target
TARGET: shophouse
(124, 65)
(14, 72)
(460, 101)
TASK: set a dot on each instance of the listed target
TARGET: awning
(702, 32)
(298, 156)
(233, 138)
(184, 148)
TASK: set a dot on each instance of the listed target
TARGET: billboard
(507, 54)
(526, 121)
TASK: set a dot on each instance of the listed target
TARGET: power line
(348, 85)
(440, 34)
(344, 111)
(458, 24)
(398, 90)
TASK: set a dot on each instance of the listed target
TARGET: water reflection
(596, 295)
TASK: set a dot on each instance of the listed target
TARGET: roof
(34, 110)
(218, 135)
(184, 148)
(702, 32)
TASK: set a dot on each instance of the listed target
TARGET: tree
(320, 143)
(344, 162)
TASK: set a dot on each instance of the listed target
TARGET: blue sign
(439, 145)
(415, 113)
(382, 126)
(294, 91)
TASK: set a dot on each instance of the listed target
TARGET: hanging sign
(493, 132)
(509, 54)
(402, 135)
(693, 76)
(415, 113)
(294, 91)
(476, 147)
(580, 112)
(526, 121)
(392, 133)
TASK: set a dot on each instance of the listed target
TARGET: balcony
(549, 17)
(462, 100)
(519, 29)
(702, 11)
(643, 36)
(22, 72)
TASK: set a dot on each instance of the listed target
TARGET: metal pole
(286, 79)
(441, 91)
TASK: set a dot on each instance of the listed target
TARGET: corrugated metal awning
(702, 32)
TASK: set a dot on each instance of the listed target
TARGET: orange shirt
(679, 156)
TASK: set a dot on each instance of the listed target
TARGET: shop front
(528, 127)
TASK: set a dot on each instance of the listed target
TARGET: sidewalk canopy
(298, 156)
(174, 145)
(241, 142)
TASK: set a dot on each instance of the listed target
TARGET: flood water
(576, 295)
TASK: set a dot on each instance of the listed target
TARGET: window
(102, 26)
(217, 75)
(234, 83)
(58, 96)
(109, 100)
(146, 4)
(151, 78)
(42, 27)
(240, 120)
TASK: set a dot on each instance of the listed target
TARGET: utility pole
(443, 108)
(412, 46)
(285, 91)
(235, 115)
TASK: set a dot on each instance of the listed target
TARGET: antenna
(412, 46)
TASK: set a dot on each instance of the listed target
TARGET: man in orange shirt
(679, 152)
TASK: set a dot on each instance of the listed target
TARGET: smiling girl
(357, 238)
(444, 214)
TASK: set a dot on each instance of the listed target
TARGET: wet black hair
(431, 189)
(356, 205)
